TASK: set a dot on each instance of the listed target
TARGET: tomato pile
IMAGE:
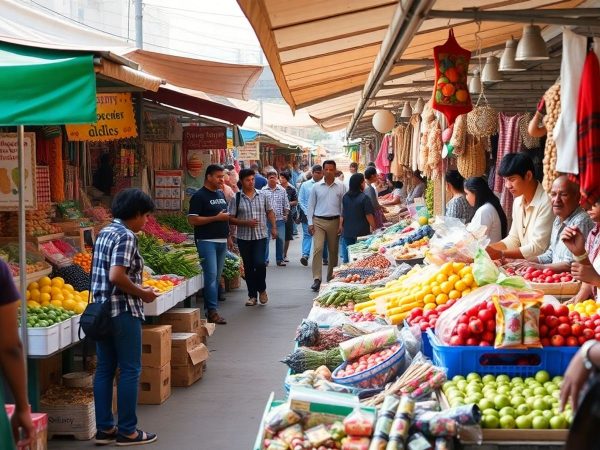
(363, 317)
(427, 318)
(476, 327)
(541, 276)
(559, 327)
(367, 362)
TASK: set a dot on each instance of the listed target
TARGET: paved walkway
(222, 411)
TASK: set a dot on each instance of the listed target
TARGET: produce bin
(179, 293)
(43, 341)
(75, 328)
(158, 306)
(66, 335)
(426, 348)
(194, 285)
(462, 360)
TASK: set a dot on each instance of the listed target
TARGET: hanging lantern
(490, 72)
(475, 83)
(406, 110)
(532, 46)
(507, 61)
(418, 109)
(451, 94)
(383, 121)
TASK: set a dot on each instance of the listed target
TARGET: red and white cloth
(42, 184)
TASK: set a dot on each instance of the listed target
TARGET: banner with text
(9, 171)
(249, 152)
(204, 138)
(116, 120)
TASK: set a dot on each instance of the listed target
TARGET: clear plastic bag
(453, 242)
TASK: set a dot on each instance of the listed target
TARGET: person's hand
(541, 106)
(494, 253)
(223, 216)
(311, 230)
(230, 243)
(273, 233)
(574, 240)
(575, 377)
(21, 419)
(585, 273)
(149, 294)
(252, 223)
(340, 229)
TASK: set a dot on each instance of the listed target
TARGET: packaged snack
(276, 444)
(318, 435)
(406, 407)
(418, 442)
(368, 343)
(281, 417)
(359, 423)
(383, 425)
(509, 321)
(356, 443)
(337, 431)
(291, 433)
(532, 302)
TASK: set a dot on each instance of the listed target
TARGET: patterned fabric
(256, 207)
(592, 245)
(279, 200)
(42, 184)
(558, 251)
(116, 245)
(459, 208)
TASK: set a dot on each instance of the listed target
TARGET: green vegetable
(231, 268)
(342, 295)
(177, 260)
(304, 359)
(178, 222)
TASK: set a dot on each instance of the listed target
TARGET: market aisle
(222, 411)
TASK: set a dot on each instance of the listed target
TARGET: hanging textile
(508, 142)
(53, 149)
(552, 100)
(396, 168)
(415, 142)
(565, 134)
(588, 131)
(382, 163)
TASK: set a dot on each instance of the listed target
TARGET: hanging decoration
(451, 93)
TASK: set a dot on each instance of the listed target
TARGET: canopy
(46, 87)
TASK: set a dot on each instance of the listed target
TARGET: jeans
(345, 242)
(123, 349)
(307, 243)
(278, 242)
(253, 257)
(213, 258)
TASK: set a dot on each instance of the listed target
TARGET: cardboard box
(182, 320)
(205, 330)
(155, 385)
(184, 376)
(181, 345)
(189, 356)
(156, 345)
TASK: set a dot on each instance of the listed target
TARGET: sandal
(141, 439)
(251, 301)
(281, 264)
(105, 438)
(214, 317)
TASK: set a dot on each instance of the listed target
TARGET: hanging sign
(196, 162)
(115, 120)
(9, 171)
(451, 93)
(249, 152)
(204, 138)
(167, 189)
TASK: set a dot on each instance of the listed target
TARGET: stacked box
(155, 379)
(188, 357)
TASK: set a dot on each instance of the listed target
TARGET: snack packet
(281, 417)
(509, 321)
(359, 423)
(532, 302)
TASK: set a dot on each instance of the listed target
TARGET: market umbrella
(42, 87)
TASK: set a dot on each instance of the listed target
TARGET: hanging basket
(482, 121)
(529, 141)
(472, 163)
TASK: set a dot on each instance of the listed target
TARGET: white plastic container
(75, 328)
(179, 293)
(43, 341)
(158, 306)
(66, 334)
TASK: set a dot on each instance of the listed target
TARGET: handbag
(584, 431)
(96, 318)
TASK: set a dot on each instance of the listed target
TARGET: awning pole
(22, 250)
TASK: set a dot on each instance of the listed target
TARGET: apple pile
(560, 327)
(477, 326)
(511, 403)
(366, 362)
(363, 317)
(541, 275)
(426, 319)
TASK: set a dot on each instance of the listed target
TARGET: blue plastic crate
(426, 347)
(462, 360)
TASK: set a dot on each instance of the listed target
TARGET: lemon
(58, 297)
(55, 291)
(429, 306)
(33, 304)
(457, 266)
(46, 289)
(27, 295)
(56, 303)
(79, 308)
(460, 285)
(45, 281)
(45, 303)
(69, 304)
(590, 310)
(454, 294)
(441, 277)
(468, 279)
(45, 297)
(465, 292)
(446, 287)
(67, 295)
(423, 221)
(429, 298)
(33, 285)
(69, 287)
(441, 299)
(447, 269)
(58, 282)
(35, 295)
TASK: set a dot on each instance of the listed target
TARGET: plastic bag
(359, 423)
(509, 322)
(369, 343)
(453, 242)
(281, 417)
(486, 272)
(412, 337)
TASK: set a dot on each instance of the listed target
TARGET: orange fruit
(460, 285)
(454, 294)
(441, 299)
(429, 298)
(446, 287)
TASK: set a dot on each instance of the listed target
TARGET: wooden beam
(573, 17)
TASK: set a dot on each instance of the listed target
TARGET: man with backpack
(249, 210)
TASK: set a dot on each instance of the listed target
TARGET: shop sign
(204, 138)
(9, 171)
(249, 152)
(167, 189)
(116, 120)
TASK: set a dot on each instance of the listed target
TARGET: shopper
(259, 180)
(227, 189)
(281, 206)
(314, 176)
(117, 278)
(371, 179)
(249, 210)
(285, 178)
(325, 221)
(353, 168)
(384, 185)
(418, 189)
(358, 214)
(532, 215)
(12, 366)
(208, 215)
(458, 207)
(488, 211)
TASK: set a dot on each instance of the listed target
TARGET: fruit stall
(444, 354)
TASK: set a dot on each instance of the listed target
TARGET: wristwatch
(585, 351)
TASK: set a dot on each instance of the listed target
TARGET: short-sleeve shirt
(459, 208)
(355, 210)
(251, 208)
(8, 290)
(207, 203)
(370, 192)
(116, 245)
(292, 196)
(259, 181)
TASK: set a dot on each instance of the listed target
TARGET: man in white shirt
(325, 221)
(532, 215)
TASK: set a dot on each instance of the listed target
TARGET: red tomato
(544, 330)
(473, 341)
(547, 271)
(564, 329)
(552, 321)
(581, 340)
(557, 340)
(588, 334)
(562, 310)
(462, 331)
(564, 319)
(488, 336)
(485, 344)
(530, 269)
(490, 325)
(589, 324)
(463, 319)
(476, 326)
(457, 341)
(572, 341)
(597, 336)
(485, 314)
(536, 273)
(547, 309)
(576, 329)
(545, 342)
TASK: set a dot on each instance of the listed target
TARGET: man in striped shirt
(281, 207)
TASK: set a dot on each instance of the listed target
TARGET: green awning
(46, 87)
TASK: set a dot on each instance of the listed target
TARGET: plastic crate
(75, 328)
(158, 306)
(43, 341)
(462, 360)
(66, 335)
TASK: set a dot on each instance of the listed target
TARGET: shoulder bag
(95, 320)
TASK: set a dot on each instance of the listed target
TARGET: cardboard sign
(167, 189)
(115, 120)
(249, 152)
(9, 171)
(204, 138)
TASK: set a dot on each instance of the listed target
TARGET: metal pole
(139, 31)
(22, 251)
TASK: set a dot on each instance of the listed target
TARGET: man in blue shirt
(259, 181)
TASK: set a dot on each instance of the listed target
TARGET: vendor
(532, 216)
(458, 207)
(565, 204)
(418, 187)
(586, 255)
(397, 194)
(102, 179)
(488, 210)
(384, 185)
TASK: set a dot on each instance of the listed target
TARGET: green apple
(557, 380)
(527, 393)
(490, 395)
(501, 401)
(503, 378)
(453, 392)
(517, 390)
(447, 385)
(523, 422)
(508, 411)
(558, 423)
(490, 421)
(488, 378)
(473, 398)
(555, 395)
(540, 423)
(536, 413)
(529, 401)
(517, 380)
(457, 378)
(523, 410)
(517, 400)
(473, 376)
(473, 388)
(507, 422)
(548, 414)
(540, 391)
(486, 403)
(504, 389)
(542, 376)
(540, 404)
(529, 380)
(487, 387)
(551, 387)
(461, 384)
(456, 402)
(490, 412)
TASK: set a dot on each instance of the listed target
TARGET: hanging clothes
(588, 130)
(382, 163)
(508, 142)
(565, 134)
(398, 143)
(415, 141)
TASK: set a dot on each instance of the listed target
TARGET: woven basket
(529, 141)
(482, 121)
(472, 162)
(231, 284)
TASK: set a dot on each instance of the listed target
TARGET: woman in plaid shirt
(117, 278)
